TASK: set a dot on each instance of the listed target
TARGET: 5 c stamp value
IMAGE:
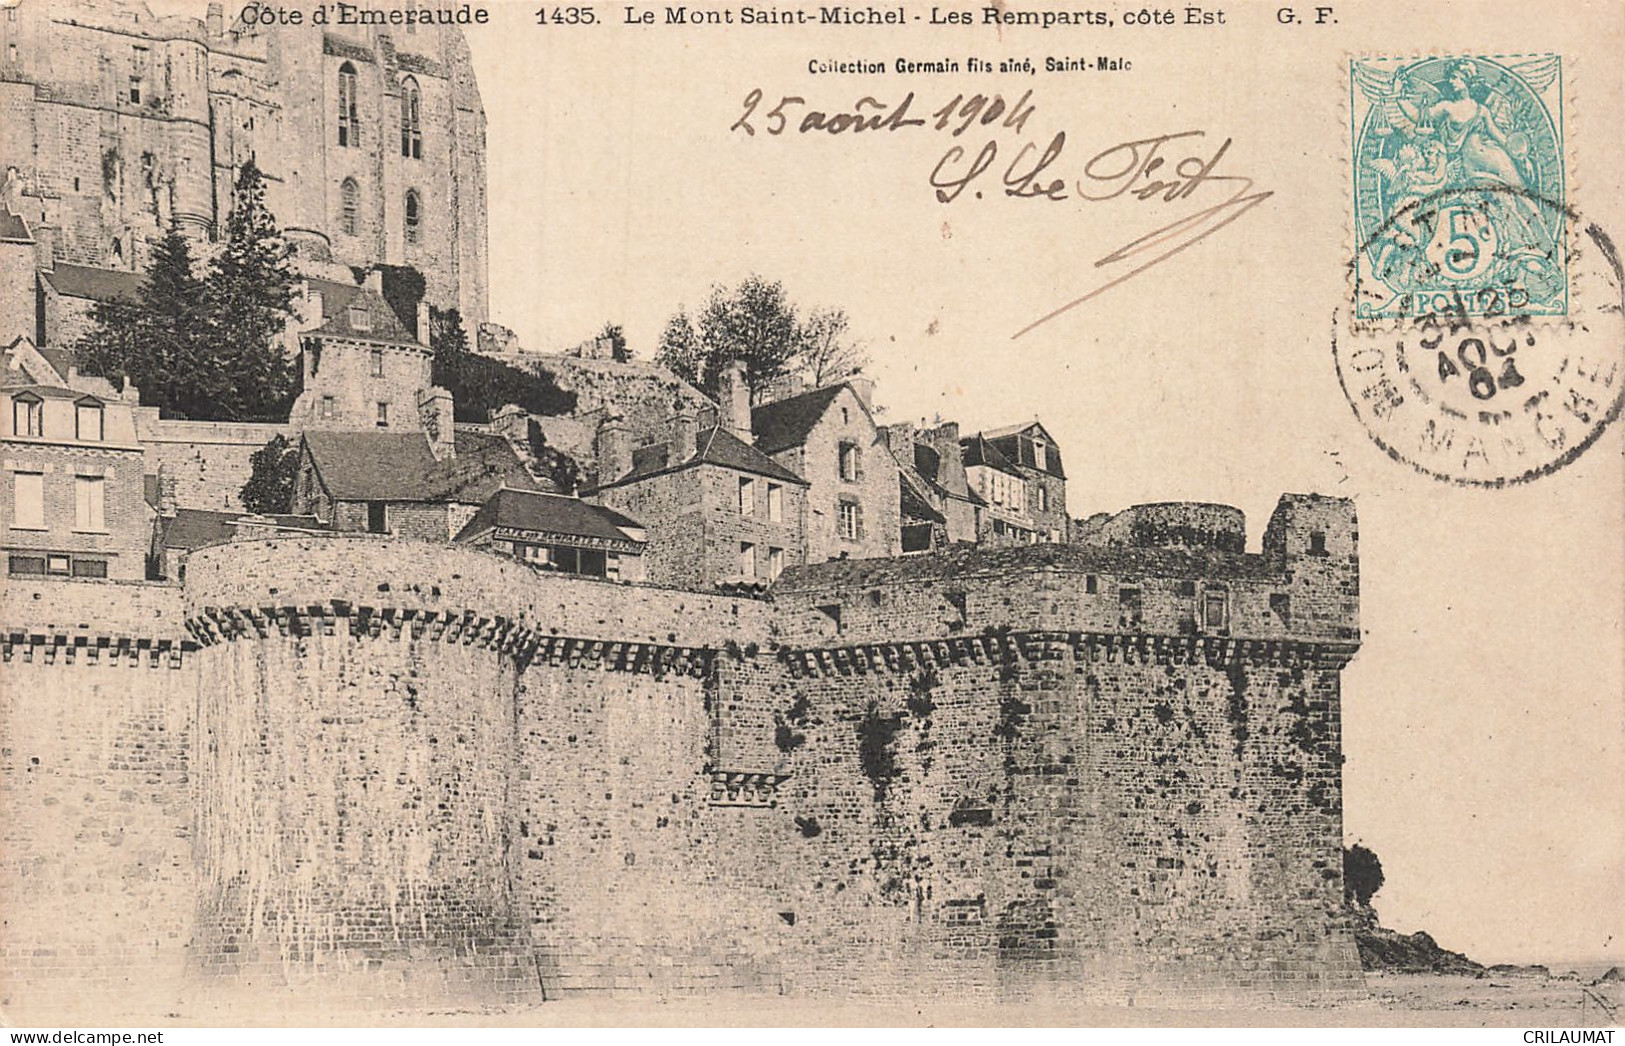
(1459, 186)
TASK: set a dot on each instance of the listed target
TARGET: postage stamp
(1486, 399)
(1459, 191)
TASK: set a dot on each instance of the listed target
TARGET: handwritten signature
(1168, 168)
(1139, 169)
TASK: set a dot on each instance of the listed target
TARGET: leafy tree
(269, 489)
(618, 349)
(680, 349)
(554, 465)
(829, 352)
(1362, 873)
(250, 297)
(158, 341)
(756, 322)
(480, 384)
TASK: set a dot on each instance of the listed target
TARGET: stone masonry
(1106, 772)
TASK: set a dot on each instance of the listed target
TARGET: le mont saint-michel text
(859, 15)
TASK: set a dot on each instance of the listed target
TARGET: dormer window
(88, 420)
(1040, 455)
(27, 415)
(361, 319)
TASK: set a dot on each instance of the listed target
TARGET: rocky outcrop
(1385, 950)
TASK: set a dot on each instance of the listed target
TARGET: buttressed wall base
(357, 771)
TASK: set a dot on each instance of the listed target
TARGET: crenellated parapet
(370, 586)
(1175, 571)
(1006, 648)
(524, 644)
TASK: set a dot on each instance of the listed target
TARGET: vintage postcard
(943, 512)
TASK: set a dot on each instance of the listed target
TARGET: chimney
(423, 322)
(216, 21)
(45, 248)
(435, 409)
(864, 386)
(512, 423)
(374, 281)
(733, 398)
(614, 449)
(684, 430)
(312, 315)
(166, 492)
(900, 437)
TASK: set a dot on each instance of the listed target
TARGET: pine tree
(250, 293)
(157, 341)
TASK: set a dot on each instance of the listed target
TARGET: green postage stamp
(1459, 186)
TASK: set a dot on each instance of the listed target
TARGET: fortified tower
(117, 122)
(361, 768)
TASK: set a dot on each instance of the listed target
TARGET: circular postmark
(1468, 386)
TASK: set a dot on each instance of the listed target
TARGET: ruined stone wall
(642, 393)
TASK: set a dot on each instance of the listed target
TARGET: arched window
(349, 116)
(349, 206)
(414, 216)
(411, 120)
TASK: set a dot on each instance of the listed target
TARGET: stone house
(937, 505)
(71, 487)
(69, 294)
(361, 369)
(1017, 469)
(559, 533)
(719, 512)
(402, 483)
(829, 437)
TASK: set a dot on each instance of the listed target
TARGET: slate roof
(916, 507)
(195, 528)
(13, 228)
(60, 359)
(785, 423)
(337, 302)
(979, 451)
(1016, 450)
(714, 446)
(397, 466)
(550, 513)
(86, 281)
